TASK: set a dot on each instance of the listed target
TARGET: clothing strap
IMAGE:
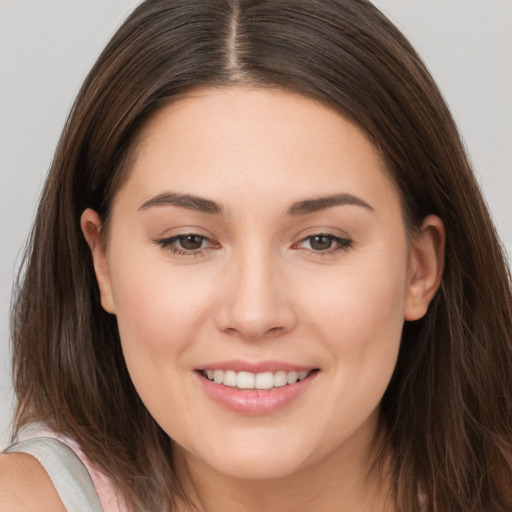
(67, 472)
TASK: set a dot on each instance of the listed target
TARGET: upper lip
(239, 365)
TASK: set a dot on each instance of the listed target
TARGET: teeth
(248, 380)
(230, 379)
(292, 377)
(280, 379)
(218, 376)
(264, 380)
(244, 380)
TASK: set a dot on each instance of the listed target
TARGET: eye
(324, 243)
(187, 244)
(320, 242)
(190, 242)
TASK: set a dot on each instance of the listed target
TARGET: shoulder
(25, 486)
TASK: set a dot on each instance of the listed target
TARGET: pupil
(191, 242)
(321, 243)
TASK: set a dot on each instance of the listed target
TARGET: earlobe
(90, 223)
(426, 265)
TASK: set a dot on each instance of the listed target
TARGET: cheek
(359, 317)
(357, 302)
(159, 313)
(158, 307)
(363, 333)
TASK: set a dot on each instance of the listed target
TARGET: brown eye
(320, 242)
(324, 243)
(191, 242)
(188, 244)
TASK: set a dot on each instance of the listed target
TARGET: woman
(262, 277)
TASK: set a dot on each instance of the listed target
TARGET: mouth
(264, 381)
(255, 388)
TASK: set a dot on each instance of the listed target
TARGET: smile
(267, 388)
(249, 380)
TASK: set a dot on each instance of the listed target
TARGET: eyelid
(169, 243)
(344, 243)
(341, 242)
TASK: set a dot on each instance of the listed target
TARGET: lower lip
(255, 402)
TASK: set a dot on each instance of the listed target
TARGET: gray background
(47, 47)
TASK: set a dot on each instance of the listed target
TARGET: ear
(91, 227)
(425, 267)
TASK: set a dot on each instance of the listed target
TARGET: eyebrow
(203, 205)
(322, 203)
(188, 201)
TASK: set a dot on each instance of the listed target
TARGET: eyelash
(342, 244)
(170, 245)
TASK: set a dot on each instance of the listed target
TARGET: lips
(255, 389)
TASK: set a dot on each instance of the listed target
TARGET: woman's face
(257, 241)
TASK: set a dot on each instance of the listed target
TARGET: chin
(252, 459)
(258, 468)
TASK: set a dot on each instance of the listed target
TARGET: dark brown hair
(447, 413)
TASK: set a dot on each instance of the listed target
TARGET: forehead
(269, 141)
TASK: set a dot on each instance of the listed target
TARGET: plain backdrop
(48, 46)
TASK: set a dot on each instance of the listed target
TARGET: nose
(256, 302)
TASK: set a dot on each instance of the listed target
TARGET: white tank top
(67, 472)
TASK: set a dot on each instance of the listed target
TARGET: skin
(25, 486)
(259, 288)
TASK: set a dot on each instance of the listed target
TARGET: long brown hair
(447, 413)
